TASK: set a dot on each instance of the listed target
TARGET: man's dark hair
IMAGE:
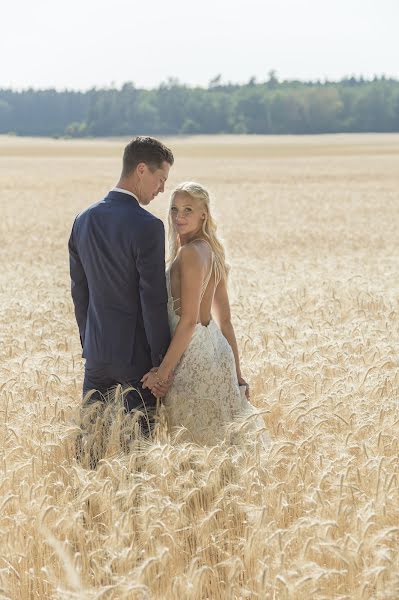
(147, 150)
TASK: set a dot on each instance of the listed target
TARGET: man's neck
(128, 186)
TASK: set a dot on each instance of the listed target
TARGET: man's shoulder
(149, 230)
(146, 214)
(92, 207)
(137, 217)
(148, 220)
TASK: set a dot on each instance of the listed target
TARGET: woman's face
(187, 214)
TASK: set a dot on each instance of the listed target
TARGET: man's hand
(158, 388)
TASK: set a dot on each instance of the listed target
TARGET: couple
(152, 332)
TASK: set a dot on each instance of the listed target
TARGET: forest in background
(271, 107)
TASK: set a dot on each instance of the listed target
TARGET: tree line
(271, 107)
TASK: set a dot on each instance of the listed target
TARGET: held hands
(158, 386)
(241, 381)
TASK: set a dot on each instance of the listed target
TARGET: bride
(204, 399)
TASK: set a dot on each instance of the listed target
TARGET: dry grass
(311, 226)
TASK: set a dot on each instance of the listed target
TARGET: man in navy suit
(117, 266)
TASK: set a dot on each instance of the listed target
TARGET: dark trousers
(102, 381)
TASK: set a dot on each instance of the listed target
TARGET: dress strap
(214, 267)
(207, 279)
(209, 275)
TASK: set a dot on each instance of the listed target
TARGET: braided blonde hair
(199, 193)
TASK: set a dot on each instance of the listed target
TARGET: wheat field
(311, 228)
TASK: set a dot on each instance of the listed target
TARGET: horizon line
(213, 83)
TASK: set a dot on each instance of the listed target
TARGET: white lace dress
(205, 400)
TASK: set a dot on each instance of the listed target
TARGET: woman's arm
(192, 273)
(221, 310)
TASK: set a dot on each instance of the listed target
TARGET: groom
(117, 267)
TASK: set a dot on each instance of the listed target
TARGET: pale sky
(78, 44)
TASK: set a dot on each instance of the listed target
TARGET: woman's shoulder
(195, 253)
(200, 246)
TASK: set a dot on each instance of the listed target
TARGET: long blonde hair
(209, 227)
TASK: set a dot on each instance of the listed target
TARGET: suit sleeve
(79, 287)
(150, 264)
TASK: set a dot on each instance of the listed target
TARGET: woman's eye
(188, 210)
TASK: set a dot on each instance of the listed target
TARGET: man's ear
(141, 168)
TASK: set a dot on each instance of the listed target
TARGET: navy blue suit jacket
(117, 266)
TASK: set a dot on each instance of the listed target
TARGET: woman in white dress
(204, 399)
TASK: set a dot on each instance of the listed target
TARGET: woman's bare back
(208, 285)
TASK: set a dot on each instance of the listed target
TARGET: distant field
(218, 146)
(311, 230)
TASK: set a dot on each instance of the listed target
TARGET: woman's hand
(158, 386)
(241, 381)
